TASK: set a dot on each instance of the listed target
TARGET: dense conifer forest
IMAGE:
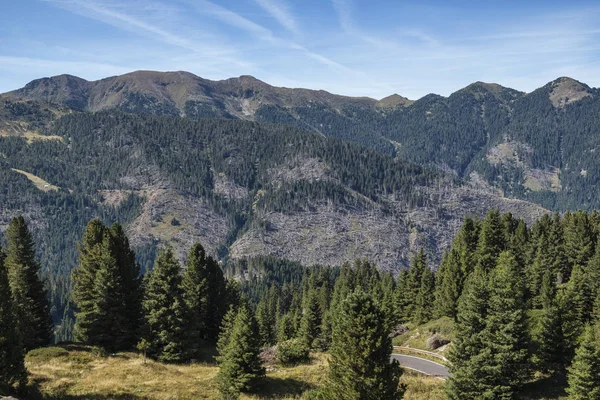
(524, 301)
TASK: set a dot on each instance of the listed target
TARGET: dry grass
(37, 181)
(421, 387)
(74, 372)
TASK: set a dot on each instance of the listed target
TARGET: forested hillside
(537, 146)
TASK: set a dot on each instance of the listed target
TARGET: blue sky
(353, 47)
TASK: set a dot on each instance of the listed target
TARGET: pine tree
(579, 237)
(12, 366)
(449, 285)
(492, 241)
(164, 309)
(130, 290)
(84, 278)
(465, 352)
(505, 336)
(551, 352)
(238, 346)
(29, 295)
(360, 365)
(584, 373)
(310, 326)
(579, 304)
(412, 285)
(107, 289)
(195, 293)
(425, 298)
(218, 299)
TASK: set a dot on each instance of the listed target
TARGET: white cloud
(280, 11)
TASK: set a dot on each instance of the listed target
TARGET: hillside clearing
(37, 181)
(73, 371)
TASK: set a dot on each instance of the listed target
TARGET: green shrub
(293, 351)
(45, 354)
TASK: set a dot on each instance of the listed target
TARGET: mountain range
(251, 169)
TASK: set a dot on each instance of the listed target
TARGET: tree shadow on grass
(546, 387)
(276, 388)
(33, 393)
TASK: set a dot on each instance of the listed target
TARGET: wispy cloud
(236, 20)
(342, 8)
(281, 12)
(115, 14)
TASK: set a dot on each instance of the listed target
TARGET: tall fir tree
(448, 286)
(584, 373)
(551, 353)
(425, 298)
(84, 278)
(164, 310)
(505, 337)
(412, 285)
(464, 355)
(195, 293)
(310, 326)
(12, 363)
(30, 298)
(360, 365)
(130, 291)
(492, 241)
(218, 299)
(240, 367)
(107, 289)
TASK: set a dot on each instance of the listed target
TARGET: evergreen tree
(84, 278)
(580, 239)
(238, 346)
(505, 336)
(219, 297)
(310, 325)
(492, 241)
(584, 373)
(579, 304)
(360, 367)
(425, 298)
(107, 289)
(12, 367)
(30, 298)
(130, 290)
(464, 356)
(195, 292)
(448, 286)
(412, 285)
(164, 309)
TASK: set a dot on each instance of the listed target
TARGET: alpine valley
(249, 169)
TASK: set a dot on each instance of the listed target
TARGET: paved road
(421, 365)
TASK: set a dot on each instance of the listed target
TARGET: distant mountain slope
(538, 146)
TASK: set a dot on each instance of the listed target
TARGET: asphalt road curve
(422, 365)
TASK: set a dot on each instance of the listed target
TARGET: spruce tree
(551, 354)
(464, 355)
(579, 304)
(195, 294)
(29, 295)
(584, 373)
(412, 285)
(84, 278)
(505, 337)
(240, 368)
(425, 298)
(129, 291)
(12, 367)
(492, 241)
(360, 365)
(218, 299)
(164, 309)
(448, 286)
(107, 289)
(310, 326)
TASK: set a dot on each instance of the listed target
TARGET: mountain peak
(565, 90)
(394, 101)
